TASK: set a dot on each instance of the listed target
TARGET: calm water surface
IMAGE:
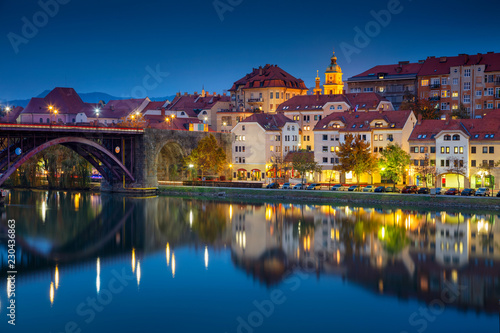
(92, 263)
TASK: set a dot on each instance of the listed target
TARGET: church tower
(333, 78)
(317, 89)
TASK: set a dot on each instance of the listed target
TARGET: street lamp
(7, 109)
(231, 171)
(55, 115)
(224, 126)
(97, 110)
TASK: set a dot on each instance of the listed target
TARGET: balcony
(255, 100)
(435, 85)
(434, 98)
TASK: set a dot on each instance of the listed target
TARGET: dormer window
(354, 126)
(424, 136)
(361, 126)
(393, 125)
(476, 136)
(378, 124)
(486, 136)
(447, 137)
(419, 136)
(456, 137)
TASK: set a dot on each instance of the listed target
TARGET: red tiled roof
(154, 105)
(193, 104)
(156, 121)
(266, 77)
(270, 122)
(312, 102)
(396, 69)
(487, 128)
(361, 120)
(492, 62)
(117, 108)
(64, 100)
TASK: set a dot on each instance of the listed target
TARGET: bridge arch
(98, 156)
(169, 157)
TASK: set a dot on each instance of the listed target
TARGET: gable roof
(269, 122)
(64, 100)
(192, 105)
(390, 71)
(313, 102)
(267, 77)
(360, 121)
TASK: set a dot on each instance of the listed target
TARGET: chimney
(185, 94)
(178, 94)
(223, 94)
(215, 93)
(196, 93)
(419, 119)
(260, 70)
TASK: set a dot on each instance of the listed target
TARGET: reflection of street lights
(482, 174)
(231, 171)
(191, 172)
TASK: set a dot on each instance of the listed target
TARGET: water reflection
(404, 253)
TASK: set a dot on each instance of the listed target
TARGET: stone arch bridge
(127, 158)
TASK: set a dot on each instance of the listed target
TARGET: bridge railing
(222, 184)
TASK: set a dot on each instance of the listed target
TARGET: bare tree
(457, 167)
(426, 171)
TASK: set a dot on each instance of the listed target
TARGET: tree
(303, 161)
(279, 165)
(460, 113)
(427, 108)
(426, 171)
(486, 170)
(354, 155)
(208, 156)
(134, 120)
(457, 167)
(393, 163)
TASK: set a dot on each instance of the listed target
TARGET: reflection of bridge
(127, 158)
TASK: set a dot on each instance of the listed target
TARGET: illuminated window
(445, 93)
(425, 83)
(454, 94)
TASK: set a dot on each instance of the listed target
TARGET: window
(466, 98)
(489, 92)
(445, 93)
(491, 163)
(467, 73)
(380, 137)
(425, 83)
(375, 149)
(41, 120)
(455, 150)
(479, 93)
(369, 89)
(473, 163)
(271, 95)
(447, 137)
(492, 150)
(415, 149)
(447, 150)
(485, 150)
(433, 162)
(442, 163)
(456, 137)
(243, 127)
(325, 159)
(325, 137)
(339, 107)
(472, 150)
(433, 150)
(466, 85)
(375, 137)
(454, 94)
(390, 137)
(423, 149)
(442, 150)
(489, 105)
(325, 149)
(461, 150)
(447, 163)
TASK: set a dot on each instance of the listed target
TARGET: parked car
(299, 186)
(468, 192)
(353, 188)
(438, 190)
(410, 189)
(369, 188)
(483, 192)
(452, 191)
(392, 189)
(424, 190)
(273, 185)
(314, 186)
(380, 189)
(286, 186)
(338, 187)
(498, 194)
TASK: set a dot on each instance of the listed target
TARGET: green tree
(393, 163)
(303, 161)
(208, 156)
(460, 113)
(354, 155)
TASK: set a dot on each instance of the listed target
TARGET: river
(107, 263)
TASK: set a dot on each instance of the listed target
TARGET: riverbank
(342, 197)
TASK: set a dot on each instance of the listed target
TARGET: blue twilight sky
(112, 45)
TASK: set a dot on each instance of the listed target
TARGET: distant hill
(93, 97)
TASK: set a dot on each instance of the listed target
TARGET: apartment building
(259, 140)
(264, 89)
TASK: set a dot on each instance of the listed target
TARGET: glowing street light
(97, 110)
(7, 109)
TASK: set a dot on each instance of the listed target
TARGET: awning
(255, 170)
(242, 170)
